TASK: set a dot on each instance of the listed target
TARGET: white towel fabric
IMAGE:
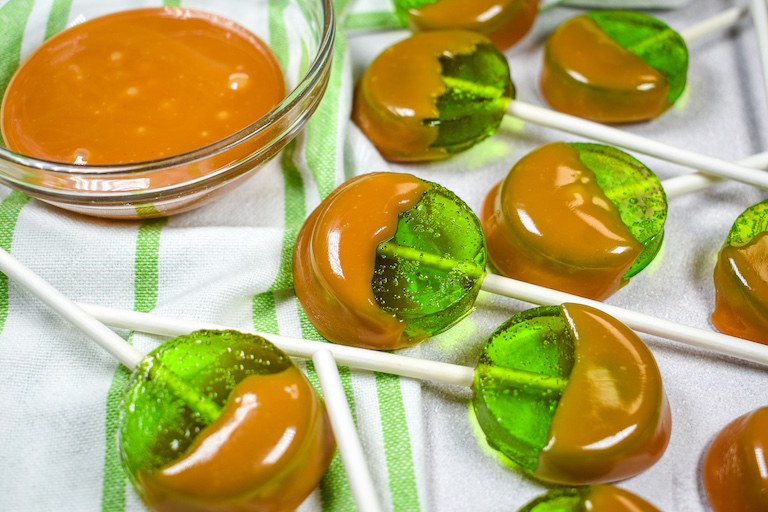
(226, 263)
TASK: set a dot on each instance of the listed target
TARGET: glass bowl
(178, 183)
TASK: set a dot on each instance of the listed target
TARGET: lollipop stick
(694, 181)
(722, 21)
(620, 138)
(123, 351)
(344, 431)
(650, 325)
(394, 251)
(717, 342)
(760, 17)
(361, 358)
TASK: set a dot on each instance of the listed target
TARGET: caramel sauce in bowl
(165, 182)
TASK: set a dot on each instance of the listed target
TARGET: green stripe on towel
(145, 299)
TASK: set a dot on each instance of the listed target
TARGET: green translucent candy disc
(560, 500)
(430, 274)
(515, 414)
(479, 89)
(156, 424)
(637, 193)
(652, 40)
(749, 224)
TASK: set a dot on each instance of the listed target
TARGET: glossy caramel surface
(550, 223)
(735, 475)
(139, 85)
(335, 256)
(504, 22)
(613, 420)
(607, 498)
(266, 452)
(588, 74)
(741, 286)
(399, 91)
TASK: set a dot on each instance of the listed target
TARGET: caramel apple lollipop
(433, 95)
(614, 67)
(581, 218)
(355, 295)
(741, 278)
(504, 22)
(613, 393)
(594, 498)
(267, 447)
(735, 475)
(210, 421)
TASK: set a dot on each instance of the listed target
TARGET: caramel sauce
(588, 74)
(735, 475)
(335, 257)
(741, 285)
(139, 85)
(613, 420)
(504, 22)
(399, 92)
(266, 452)
(550, 223)
(607, 498)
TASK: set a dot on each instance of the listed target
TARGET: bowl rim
(307, 84)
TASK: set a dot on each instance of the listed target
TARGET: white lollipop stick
(442, 372)
(722, 21)
(344, 431)
(57, 301)
(626, 140)
(722, 343)
(694, 181)
(620, 138)
(760, 17)
(372, 360)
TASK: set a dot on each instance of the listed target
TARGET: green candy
(752, 222)
(637, 193)
(430, 273)
(650, 39)
(516, 417)
(479, 90)
(157, 422)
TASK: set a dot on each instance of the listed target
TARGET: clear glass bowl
(178, 183)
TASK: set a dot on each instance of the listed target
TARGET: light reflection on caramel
(613, 420)
(550, 223)
(586, 73)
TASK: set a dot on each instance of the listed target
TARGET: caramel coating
(741, 285)
(735, 475)
(550, 223)
(588, 74)
(613, 420)
(335, 256)
(266, 452)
